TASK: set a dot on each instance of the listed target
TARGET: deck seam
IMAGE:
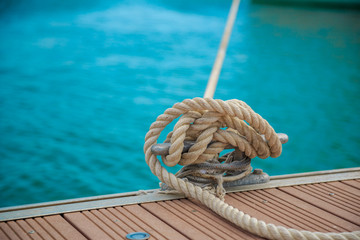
(351, 189)
(140, 220)
(337, 197)
(181, 220)
(231, 226)
(164, 222)
(319, 206)
(4, 233)
(32, 228)
(55, 227)
(155, 229)
(266, 208)
(202, 218)
(326, 225)
(90, 212)
(260, 210)
(37, 220)
(12, 224)
(188, 214)
(343, 191)
(111, 212)
(105, 210)
(6, 225)
(104, 218)
(73, 225)
(31, 222)
(107, 214)
(168, 208)
(96, 224)
(36, 235)
(280, 203)
(347, 183)
(309, 190)
(130, 220)
(131, 226)
(322, 209)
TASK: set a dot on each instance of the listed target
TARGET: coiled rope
(214, 124)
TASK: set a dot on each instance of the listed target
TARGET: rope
(213, 124)
(214, 76)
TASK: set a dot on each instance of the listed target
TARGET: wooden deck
(327, 206)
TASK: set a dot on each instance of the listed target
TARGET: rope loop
(214, 125)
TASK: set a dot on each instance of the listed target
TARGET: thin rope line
(215, 72)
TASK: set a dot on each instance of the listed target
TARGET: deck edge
(112, 200)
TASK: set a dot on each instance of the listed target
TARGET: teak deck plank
(64, 228)
(96, 217)
(323, 219)
(18, 230)
(48, 228)
(281, 210)
(28, 229)
(353, 183)
(3, 235)
(120, 220)
(162, 227)
(194, 220)
(175, 221)
(307, 219)
(34, 226)
(326, 207)
(86, 226)
(347, 190)
(10, 234)
(111, 221)
(212, 220)
(332, 197)
(316, 200)
(250, 208)
(207, 214)
(139, 224)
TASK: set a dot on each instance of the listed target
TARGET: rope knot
(206, 127)
(214, 125)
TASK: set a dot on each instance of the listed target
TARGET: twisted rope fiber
(230, 114)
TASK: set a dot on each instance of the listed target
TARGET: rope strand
(201, 120)
(227, 112)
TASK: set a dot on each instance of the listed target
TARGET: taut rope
(215, 72)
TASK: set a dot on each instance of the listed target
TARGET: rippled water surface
(82, 82)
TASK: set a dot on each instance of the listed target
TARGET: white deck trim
(104, 201)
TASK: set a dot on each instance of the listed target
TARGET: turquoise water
(82, 82)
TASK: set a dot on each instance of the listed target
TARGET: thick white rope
(217, 114)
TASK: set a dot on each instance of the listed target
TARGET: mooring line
(215, 72)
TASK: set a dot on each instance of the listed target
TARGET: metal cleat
(234, 167)
(163, 148)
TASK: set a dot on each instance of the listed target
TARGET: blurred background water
(82, 81)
